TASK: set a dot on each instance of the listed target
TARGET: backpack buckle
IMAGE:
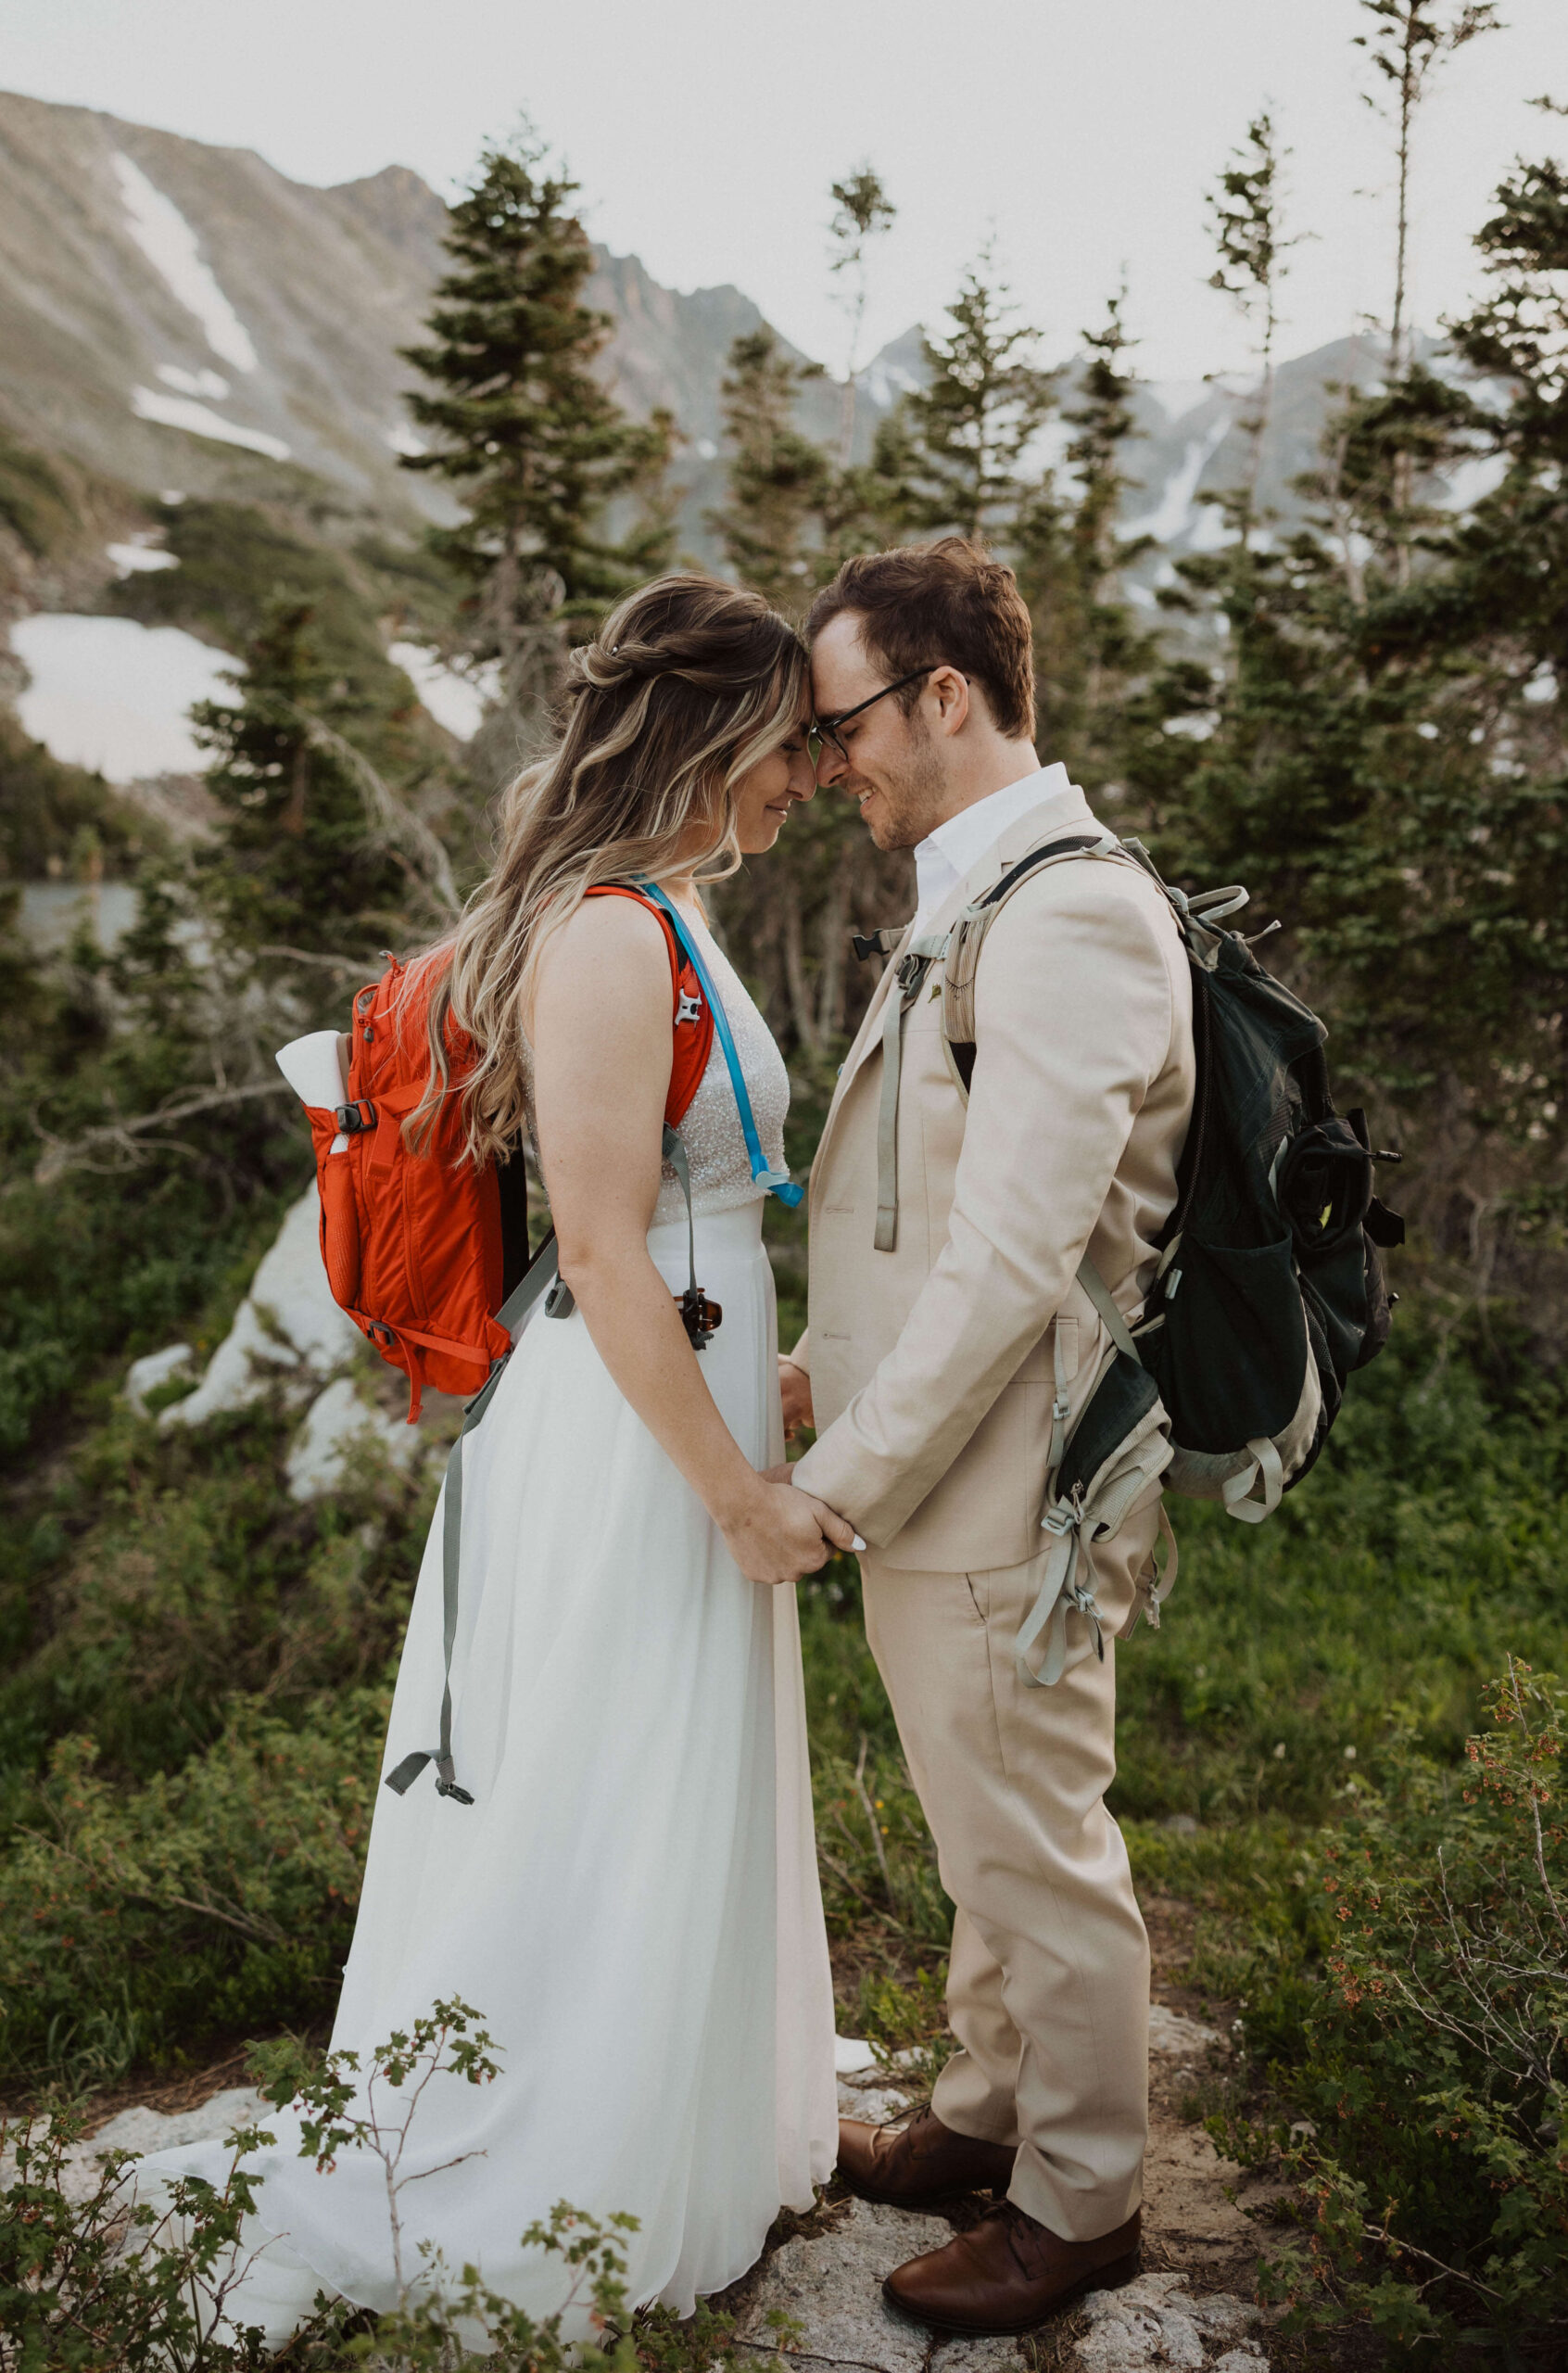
(354, 1119)
(688, 1009)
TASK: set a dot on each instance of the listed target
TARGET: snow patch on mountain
(172, 248)
(210, 383)
(179, 411)
(1172, 516)
(1177, 397)
(141, 553)
(457, 701)
(1470, 482)
(113, 695)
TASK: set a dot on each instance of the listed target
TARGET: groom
(944, 1243)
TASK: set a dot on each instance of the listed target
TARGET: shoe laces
(1026, 2237)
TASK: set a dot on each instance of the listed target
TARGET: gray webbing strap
(537, 1278)
(1099, 1294)
(1061, 1593)
(674, 1154)
(909, 980)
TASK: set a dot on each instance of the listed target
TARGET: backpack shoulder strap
(774, 1182)
(693, 1011)
(967, 937)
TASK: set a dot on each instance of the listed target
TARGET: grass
(1426, 1546)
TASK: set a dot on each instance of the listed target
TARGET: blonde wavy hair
(688, 684)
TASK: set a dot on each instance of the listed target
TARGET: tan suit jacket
(931, 1365)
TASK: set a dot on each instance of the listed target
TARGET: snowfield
(113, 695)
(180, 411)
(174, 252)
(457, 701)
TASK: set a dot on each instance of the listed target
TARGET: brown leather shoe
(925, 2161)
(1007, 2274)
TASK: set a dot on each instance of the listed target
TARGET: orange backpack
(414, 1243)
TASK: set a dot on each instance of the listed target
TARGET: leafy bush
(116, 2280)
(1423, 1548)
(138, 1923)
(165, 1571)
(1432, 2061)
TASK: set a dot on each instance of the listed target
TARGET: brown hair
(688, 684)
(947, 602)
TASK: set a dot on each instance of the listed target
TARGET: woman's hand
(778, 1533)
(794, 1392)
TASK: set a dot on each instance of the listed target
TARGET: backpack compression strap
(537, 1278)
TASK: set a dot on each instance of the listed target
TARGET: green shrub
(138, 1923)
(74, 2298)
(1423, 1548)
(1432, 2058)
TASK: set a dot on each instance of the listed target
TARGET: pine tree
(778, 481)
(788, 520)
(1070, 554)
(863, 211)
(1410, 40)
(1244, 218)
(295, 864)
(951, 456)
(1387, 770)
(535, 446)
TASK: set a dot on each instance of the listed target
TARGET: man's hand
(794, 1391)
(778, 1533)
(786, 1474)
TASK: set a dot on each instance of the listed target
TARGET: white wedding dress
(631, 1902)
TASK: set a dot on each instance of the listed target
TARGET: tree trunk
(795, 972)
(830, 975)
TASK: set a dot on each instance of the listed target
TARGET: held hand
(794, 1391)
(781, 1533)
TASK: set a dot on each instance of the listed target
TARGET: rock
(338, 1419)
(145, 1376)
(143, 2130)
(974, 2356)
(1181, 2038)
(832, 2289)
(288, 1321)
(853, 2058)
(875, 2104)
(1154, 2323)
(1180, 1824)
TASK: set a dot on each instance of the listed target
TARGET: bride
(631, 1901)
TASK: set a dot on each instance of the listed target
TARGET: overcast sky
(1082, 133)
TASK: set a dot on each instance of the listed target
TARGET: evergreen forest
(1341, 1757)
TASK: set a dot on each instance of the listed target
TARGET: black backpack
(1270, 1292)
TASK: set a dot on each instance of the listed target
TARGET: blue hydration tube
(778, 1181)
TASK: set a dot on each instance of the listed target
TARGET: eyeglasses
(826, 729)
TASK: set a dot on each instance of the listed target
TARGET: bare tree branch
(77, 1153)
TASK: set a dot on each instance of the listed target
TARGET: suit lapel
(1055, 816)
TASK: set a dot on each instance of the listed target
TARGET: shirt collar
(947, 855)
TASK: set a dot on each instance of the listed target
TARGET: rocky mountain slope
(178, 315)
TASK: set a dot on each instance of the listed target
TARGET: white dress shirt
(947, 855)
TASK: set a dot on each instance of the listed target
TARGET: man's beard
(911, 807)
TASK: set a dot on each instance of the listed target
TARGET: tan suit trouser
(1048, 1986)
